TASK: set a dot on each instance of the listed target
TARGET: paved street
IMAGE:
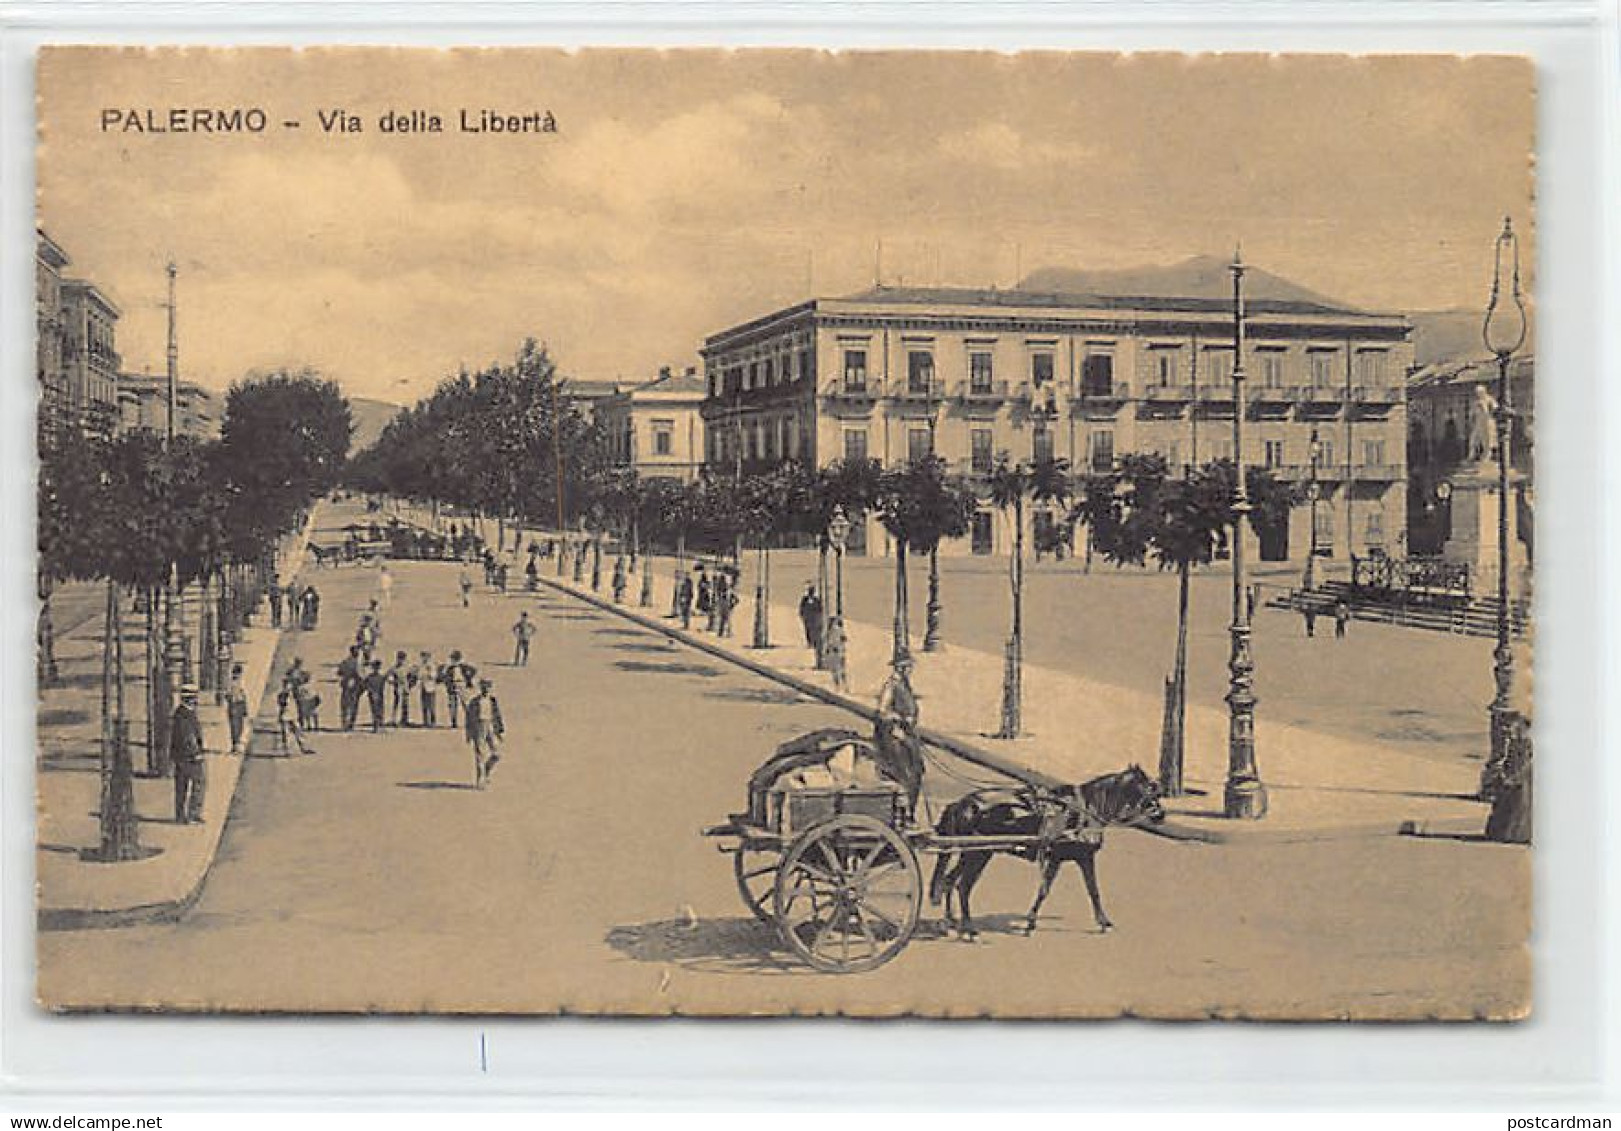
(371, 877)
(1384, 683)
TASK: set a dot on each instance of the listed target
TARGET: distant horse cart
(829, 854)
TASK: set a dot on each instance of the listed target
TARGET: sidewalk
(1320, 786)
(74, 892)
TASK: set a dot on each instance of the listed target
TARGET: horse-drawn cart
(837, 868)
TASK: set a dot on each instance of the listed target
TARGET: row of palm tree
(1136, 513)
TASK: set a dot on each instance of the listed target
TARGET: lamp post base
(1244, 800)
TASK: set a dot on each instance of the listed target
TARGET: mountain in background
(370, 418)
(1454, 335)
(1203, 276)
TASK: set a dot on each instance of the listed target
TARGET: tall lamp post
(1313, 493)
(931, 615)
(1245, 796)
(838, 533)
(1503, 332)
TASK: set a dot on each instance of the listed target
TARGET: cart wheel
(848, 895)
(756, 872)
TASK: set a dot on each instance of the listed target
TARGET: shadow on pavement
(654, 649)
(765, 695)
(435, 785)
(711, 946)
(668, 669)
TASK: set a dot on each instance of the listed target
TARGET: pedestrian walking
(683, 600)
(398, 693)
(236, 710)
(466, 584)
(485, 730)
(385, 586)
(290, 594)
(453, 678)
(375, 685)
(523, 631)
(186, 752)
(725, 601)
(287, 725)
(810, 615)
(531, 573)
(706, 599)
(501, 576)
(619, 581)
(428, 689)
(834, 650)
(312, 607)
(1309, 611)
(1342, 618)
(275, 604)
(351, 683)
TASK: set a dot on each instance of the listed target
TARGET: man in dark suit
(186, 751)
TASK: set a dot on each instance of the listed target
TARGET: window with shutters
(983, 451)
(855, 371)
(855, 444)
(981, 371)
(917, 444)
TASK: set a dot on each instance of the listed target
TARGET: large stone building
(90, 358)
(144, 406)
(1084, 377)
(656, 427)
(50, 324)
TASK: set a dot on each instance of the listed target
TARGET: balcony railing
(1115, 391)
(1269, 394)
(916, 393)
(1376, 394)
(1320, 394)
(1168, 394)
(1380, 472)
(983, 392)
(849, 391)
(1214, 392)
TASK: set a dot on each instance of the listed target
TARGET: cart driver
(900, 754)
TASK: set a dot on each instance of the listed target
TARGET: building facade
(90, 358)
(973, 374)
(50, 323)
(144, 406)
(657, 427)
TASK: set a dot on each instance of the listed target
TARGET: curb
(169, 910)
(1171, 828)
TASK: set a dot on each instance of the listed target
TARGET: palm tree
(1141, 512)
(920, 506)
(1009, 485)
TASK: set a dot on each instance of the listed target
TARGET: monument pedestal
(1476, 503)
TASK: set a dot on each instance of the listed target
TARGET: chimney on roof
(664, 372)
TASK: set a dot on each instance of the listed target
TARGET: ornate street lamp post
(1503, 333)
(838, 531)
(1245, 796)
(931, 615)
(1313, 492)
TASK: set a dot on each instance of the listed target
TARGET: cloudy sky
(688, 191)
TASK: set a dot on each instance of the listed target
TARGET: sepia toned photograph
(785, 533)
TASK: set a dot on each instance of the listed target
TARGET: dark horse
(1065, 823)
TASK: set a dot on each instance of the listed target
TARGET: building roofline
(45, 242)
(90, 290)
